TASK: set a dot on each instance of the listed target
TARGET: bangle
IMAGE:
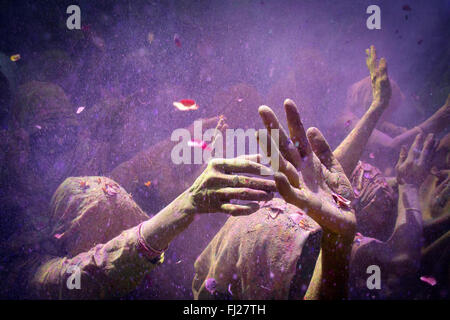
(149, 252)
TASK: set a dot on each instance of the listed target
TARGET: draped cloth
(257, 256)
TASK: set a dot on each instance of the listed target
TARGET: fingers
(371, 60)
(416, 147)
(284, 166)
(251, 157)
(383, 66)
(239, 165)
(429, 147)
(296, 129)
(402, 156)
(236, 181)
(243, 194)
(323, 151)
(240, 210)
(285, 144)
(286, 190)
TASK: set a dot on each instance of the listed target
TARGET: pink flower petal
(430, 280)
(80, 110)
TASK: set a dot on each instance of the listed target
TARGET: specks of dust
(38, 127)
(348, 123)
(15, 57)
(57, 235)
(371, 155)
(211, 285)
(148, 184)
(80, 109)
(185, 105)
(428, 279)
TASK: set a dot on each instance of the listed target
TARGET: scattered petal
(58, 235)
(176, 39)
(84, 185)
(15, 57)
(341, 201)
(406, 8)
(150, 37)
(371, 155)
(211, 285)
(110, 190)
(80, 110)
(430, 280)
(198, 144)
(229, 289)
(185, 105)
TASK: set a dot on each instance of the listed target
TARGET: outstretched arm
(311, 178)
(350, 150)
(412, 168)
(117, 267)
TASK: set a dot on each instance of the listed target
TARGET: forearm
(405, 138)
(161, 229)
(391, 129)
(406, 238)
(107, 270)
(330, 277)
(350, 150)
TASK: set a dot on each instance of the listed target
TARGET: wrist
(405, 186)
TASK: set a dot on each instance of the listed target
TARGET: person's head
(375, 203)
(359, 98)
(435, 191)
(86, 211)
(44, 111)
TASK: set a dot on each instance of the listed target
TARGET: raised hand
(381, 87)
(414, 165)
(310, 177)
(218, 185)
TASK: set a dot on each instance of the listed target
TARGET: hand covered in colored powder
(218, 185)
(309, 176)
(381, 87)
(414, 165)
